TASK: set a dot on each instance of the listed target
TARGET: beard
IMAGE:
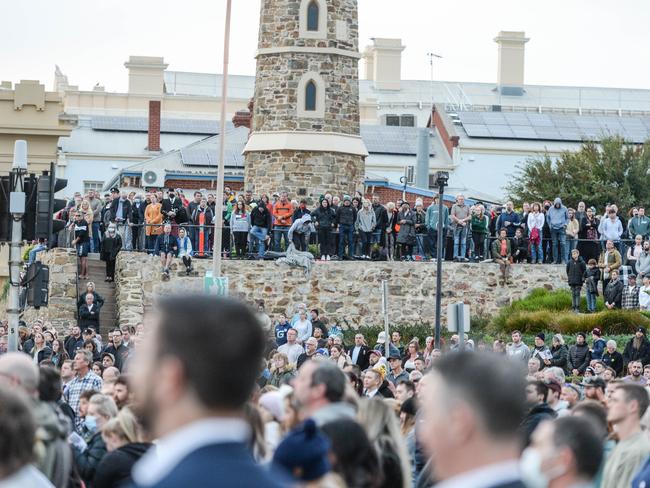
(145, 408)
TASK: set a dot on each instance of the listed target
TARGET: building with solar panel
(479, 132)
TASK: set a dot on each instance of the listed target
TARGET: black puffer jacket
(560, 357)
(575, 271)
(325, 216)
(579, 357)
(614, 293)
(346, 215)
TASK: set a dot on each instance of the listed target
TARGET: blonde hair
(390, 206)
(125, 426)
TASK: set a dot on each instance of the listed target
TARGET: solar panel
(476, 130)
(553, 127)
(167, 125)
(382, 139)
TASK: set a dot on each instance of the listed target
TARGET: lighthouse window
(310, 96)
(312, 16)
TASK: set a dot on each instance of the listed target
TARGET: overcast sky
(573, 42)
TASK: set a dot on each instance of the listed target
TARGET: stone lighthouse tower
(305, 134)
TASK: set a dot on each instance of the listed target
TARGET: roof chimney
(146, 74)
(510, 71)
(154, 126)
(384, 63)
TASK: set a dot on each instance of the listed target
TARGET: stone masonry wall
(62, 304)
(304, 174)
(349, 291)
(276, 93)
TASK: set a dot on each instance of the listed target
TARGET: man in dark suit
(172, 209)
(360, 353)
(193, 377)
(89, 313)
(473, 404)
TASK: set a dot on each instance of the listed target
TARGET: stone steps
(97, 274)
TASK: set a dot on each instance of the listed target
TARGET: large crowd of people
(353, 227)
(212, 392)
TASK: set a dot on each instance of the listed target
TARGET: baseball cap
(381, 338)
(641, 329)
(375, 351)
(555, 386)
(109, 355)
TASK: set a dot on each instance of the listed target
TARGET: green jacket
(479, 225)
(431, 219)
(496, 249)
(639, 226)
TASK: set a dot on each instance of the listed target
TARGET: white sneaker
(322, 258)
(328, 257)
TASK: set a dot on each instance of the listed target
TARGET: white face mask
(531, 469)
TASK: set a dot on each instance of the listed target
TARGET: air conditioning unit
(153, 178)
(410, 174)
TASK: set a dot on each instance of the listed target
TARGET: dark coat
(114, 470)
(325, 217)
(120, 354)
(592, 277)
(614, 293)
(381, 215)
(110, 247)
(126, 210)
(168, 206)
(406, 222)
(88, 318)
(575, 271)
(614, 361)
(346, 215)
(642, 354)
(579, 357)
(363, 360)
(88, 460)
(218, 465)
(209, 215)
(261, 217)
(71, 345)
(560, 357)
(97, 299)
(385, 391)
(43, 354)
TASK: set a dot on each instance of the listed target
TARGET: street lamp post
(442, 177)
(218, 211)
(17, 210)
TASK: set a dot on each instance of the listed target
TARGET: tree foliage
(613, 171)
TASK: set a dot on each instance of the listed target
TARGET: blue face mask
(91, 423)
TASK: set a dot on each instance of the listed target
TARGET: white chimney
(146, 74)
(510, 70)
(384, 63)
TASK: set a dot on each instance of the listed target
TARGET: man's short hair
(88, 394)
(635, 393)
(582, 438)
(315, 310)
(327, 373)
(123, 379)
(18, 432)
(541, 388)
(220, 343)
(409, 385)
(516, 331)
(594, 411)
(104, 405)
(498, 399)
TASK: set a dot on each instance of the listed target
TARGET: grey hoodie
(366, 220)
(643, 263)
(557, 218)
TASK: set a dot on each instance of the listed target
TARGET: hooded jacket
(115, 468)
(366, 220)
(643, 263)
(557, 217)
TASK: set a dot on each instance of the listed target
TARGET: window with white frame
(93, 185)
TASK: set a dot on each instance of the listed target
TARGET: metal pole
(440, 256)
(384, 311)
(460, 321)
(13, 309)
(218, 211)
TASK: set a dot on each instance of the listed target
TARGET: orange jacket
(283, 213)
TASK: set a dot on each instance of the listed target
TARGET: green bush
(545, 310)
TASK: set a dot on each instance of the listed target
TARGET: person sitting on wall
(502, 254)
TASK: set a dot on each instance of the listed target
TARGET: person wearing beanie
(303, 454)
(541, 350)
(579, 355)
(637, 348)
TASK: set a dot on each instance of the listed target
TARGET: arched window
(310, 96)
(312, 16)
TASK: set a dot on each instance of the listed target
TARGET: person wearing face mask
(135, 222)
(564, 453)
(101, 409)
